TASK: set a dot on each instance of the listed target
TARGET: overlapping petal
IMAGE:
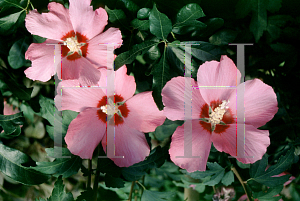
(213, 75)
(199, 140)
(41, 54)
(255, 142)
(129, 143)
(97, 50)
(174, 96)
(85, 133)
(144, 114)
(85, 20)
(52, 25)
(73, 97)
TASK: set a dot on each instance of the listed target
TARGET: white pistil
(109, 109)
(216, 116)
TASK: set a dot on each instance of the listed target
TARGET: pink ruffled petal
(129, 143)
(80, 69)
(53, 25)
(73, 97)
(173, 97)
(260, 102)
(97, 50)
(124, 84)
(200, 142)
(85, 133)
(256, 143)
(42, 58)
(213, 73)
(86, 21)
(143, 113)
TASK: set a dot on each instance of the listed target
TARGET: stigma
(73, 45)
(216, 116)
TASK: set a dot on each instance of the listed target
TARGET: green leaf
(19, 90)
(27, 111)
(269, 195)
(166, 129)
(116, 16)
(161, 75)
(60, 166)
(7, 22)
(275, 23)
(142, 25)
(242, 165)
(113, 182)
(129, 56)
(40, 199)
(16, 57)
(10, 123)
(156, 159)
(130, 5)
(228, 178)
(258, 22)
(58, 193)
(274, 5)
(86, 195)
(188, 26)
(11, 161)
(186, 19)
(223, 37)
(156, 196)
(243, 8)
(215, 171)
(258, 173)
(143, 13)
(10, 3)
(188, 13)
(38, 39)
(160, 24)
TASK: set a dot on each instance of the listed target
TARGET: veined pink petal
(260, 102)
(217, 74)
(200, 142)
(255, 144)
(174, 95)
(76, 98)
(130, 143)
(85, 133)
(97, 52)
(80, 69)
(52, 25)
(86, 21)
(42, 58)
(124, 84)
(144, 114)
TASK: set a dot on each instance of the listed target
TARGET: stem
(95, 188)
(131, 189)
(173, 35)
(140, 184)
(234, 170)
(90, 174)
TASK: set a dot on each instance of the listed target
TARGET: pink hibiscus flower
(133, 115)
(80, 29)
(214, 112)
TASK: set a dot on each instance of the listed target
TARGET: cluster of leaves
(155, 37)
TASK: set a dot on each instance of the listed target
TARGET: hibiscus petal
(53, 25)
(174, 95)
(200, 142)
(255, 144)
(213, 73)
(73, 97)
(143, 113)
(97, 50)
(124, 84)
(130, 143)
(42, 58)
(86, 21)
(80, 69)
(85, 133)
(260, 102)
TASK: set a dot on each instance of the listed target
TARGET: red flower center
(75, 45)
(227, 117)
(112, 107)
